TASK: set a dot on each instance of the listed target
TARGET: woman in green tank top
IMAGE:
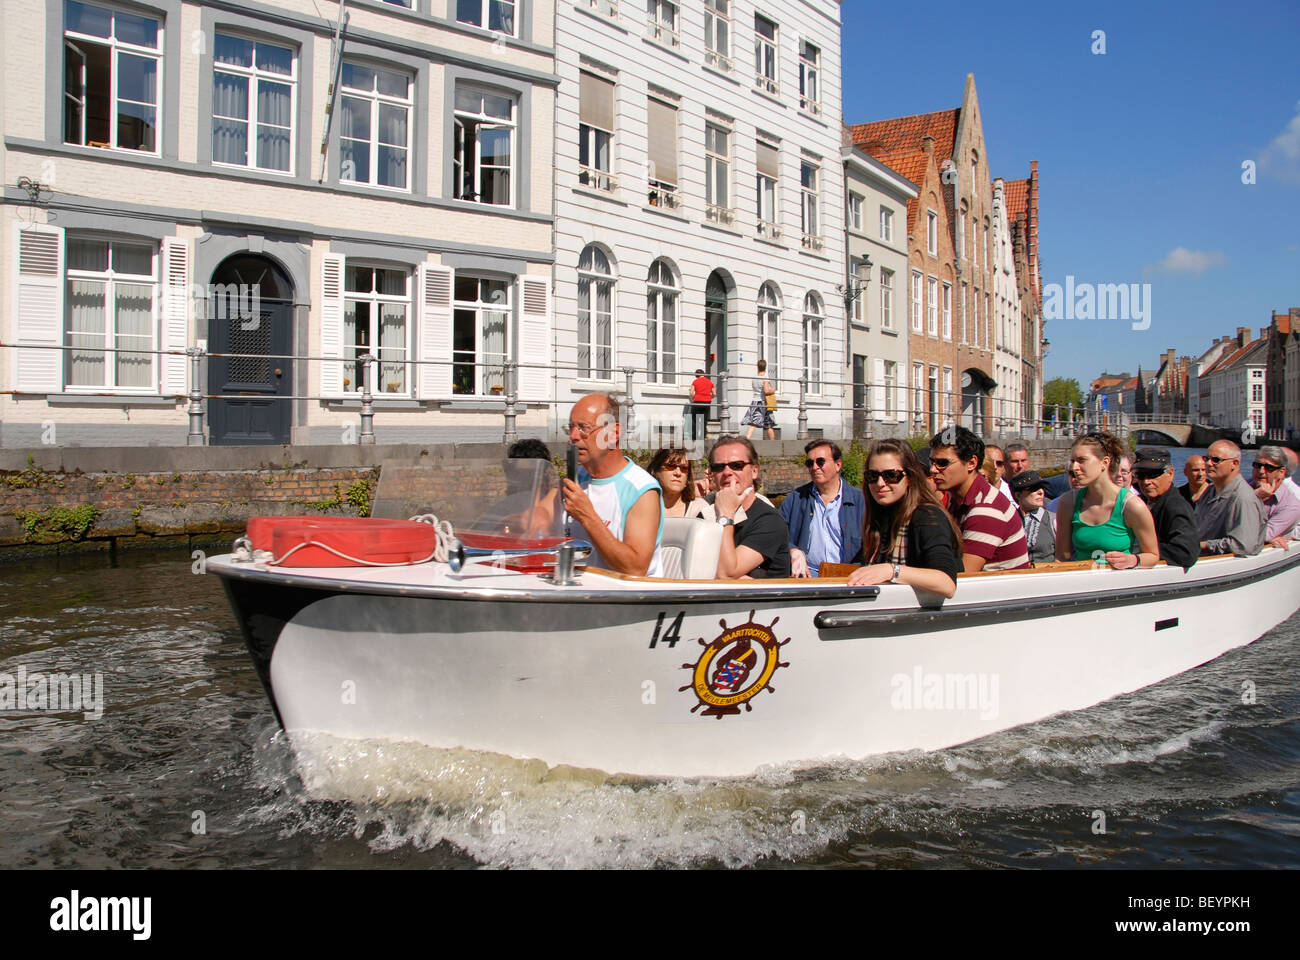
(1107, 524)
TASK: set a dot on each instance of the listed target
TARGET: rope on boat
(243, 548)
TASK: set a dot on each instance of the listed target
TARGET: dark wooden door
(255, 385)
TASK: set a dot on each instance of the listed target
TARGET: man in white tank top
(618, 504)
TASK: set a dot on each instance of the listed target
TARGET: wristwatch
(726, 521)
(894, 578)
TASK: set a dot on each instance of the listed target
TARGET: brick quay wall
(75, 499)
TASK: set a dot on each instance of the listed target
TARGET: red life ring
(307, 541)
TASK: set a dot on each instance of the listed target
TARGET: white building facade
(876, 294)
(699, 203)
(1009, 414)
(223, 175)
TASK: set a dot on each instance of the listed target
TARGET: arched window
(595, 312)
(813, 315)
(661, 324)
(769, 330)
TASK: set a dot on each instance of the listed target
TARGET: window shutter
(769, 163)
(175, 312)
(331, 324)
(534, 337)
(434, 379)
(38, 308)
(663, 141)
(596, 101)
(877, 376)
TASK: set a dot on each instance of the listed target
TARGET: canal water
(186, 768)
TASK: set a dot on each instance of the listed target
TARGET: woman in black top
(908, 536)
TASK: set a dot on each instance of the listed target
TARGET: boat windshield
(509, 502)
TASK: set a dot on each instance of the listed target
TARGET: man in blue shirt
(824, 516)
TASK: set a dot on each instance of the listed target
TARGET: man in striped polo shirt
(992, 534)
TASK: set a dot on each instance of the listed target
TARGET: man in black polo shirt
(1180, 544)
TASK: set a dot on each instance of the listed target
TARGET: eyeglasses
(997, 463)
(1221, 459)
(584, 429)
(941, 462)
(678, 467)
(736, 465)
(1266, 466)
(890, 477)
(820, 461)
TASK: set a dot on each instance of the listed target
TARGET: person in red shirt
(701, 397)
(993, 536)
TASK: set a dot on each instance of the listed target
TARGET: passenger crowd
(924, 517)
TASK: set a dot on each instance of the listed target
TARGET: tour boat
(691, 676)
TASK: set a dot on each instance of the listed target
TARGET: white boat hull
(502, 662)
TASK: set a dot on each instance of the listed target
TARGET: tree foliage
(1063, 391)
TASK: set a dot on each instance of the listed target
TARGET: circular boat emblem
(734, 667)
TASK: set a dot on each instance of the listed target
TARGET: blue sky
(1139, 149)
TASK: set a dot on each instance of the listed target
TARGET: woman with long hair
(671, 466)
(907, 537)
(1100, 520)
(760, 409)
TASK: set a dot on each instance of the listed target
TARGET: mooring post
(367, 436)
(801, 432)
(195, 437)
(512, 383)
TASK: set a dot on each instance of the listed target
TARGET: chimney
(1243, 336)
(927, 144)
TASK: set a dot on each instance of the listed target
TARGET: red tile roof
(1016, 193)
(905, 134)
(1283, 321)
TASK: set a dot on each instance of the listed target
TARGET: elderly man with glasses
(1281, 508)
(618, 504)
(825, 515)
(1229, 517)
(758, 547)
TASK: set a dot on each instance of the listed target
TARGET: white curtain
(494, 349)
(274, 120)
(229, 136)
(392, 349)
(86, 329)
(134, 316)
(392, 145)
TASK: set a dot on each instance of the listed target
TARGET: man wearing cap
(1281, 509)
(1229, 517)
(1175, 522)
(1040, 525)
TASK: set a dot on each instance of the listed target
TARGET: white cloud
(1282, 156)
(1182, 260)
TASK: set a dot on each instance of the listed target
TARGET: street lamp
(857, 285)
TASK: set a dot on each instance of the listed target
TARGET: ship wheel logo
(734, 667)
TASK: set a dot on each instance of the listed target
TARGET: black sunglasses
(1148, 474)
(820, 461)
(1221, 459)
(736, 465)
(941, 462)
(1267, 466)
(890, 476)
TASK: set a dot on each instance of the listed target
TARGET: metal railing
(655, 403)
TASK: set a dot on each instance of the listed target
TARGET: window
(717, 34)
(769, 331)
(111, 61)
(595, 314)
(717, 196)
(376, 308)
(812, 343)
(808, 218)
(498, 15)
(916, 301)
(768, 177)
(661, 324)
(988, 325)
(947, 311)
(765, 75)
(595, 132)
(661, 22)
(111, 305)
(809, 65)
(918, 399)
(1256, 393)
(891, 384)
(886, 299)
(662, 154)
(932, 232)
(855, 211)
(886, 224)
(480, 335)
(374, 116)
(947, 392)
(932, 307)
(965, 333)
(252, 85)
(932, 385)
(608, 8)
(961, 235)
(484, 149)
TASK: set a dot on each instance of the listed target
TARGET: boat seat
(690, 548)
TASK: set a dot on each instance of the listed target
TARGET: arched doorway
(975, 386)
(250, 312)
(717, 302)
